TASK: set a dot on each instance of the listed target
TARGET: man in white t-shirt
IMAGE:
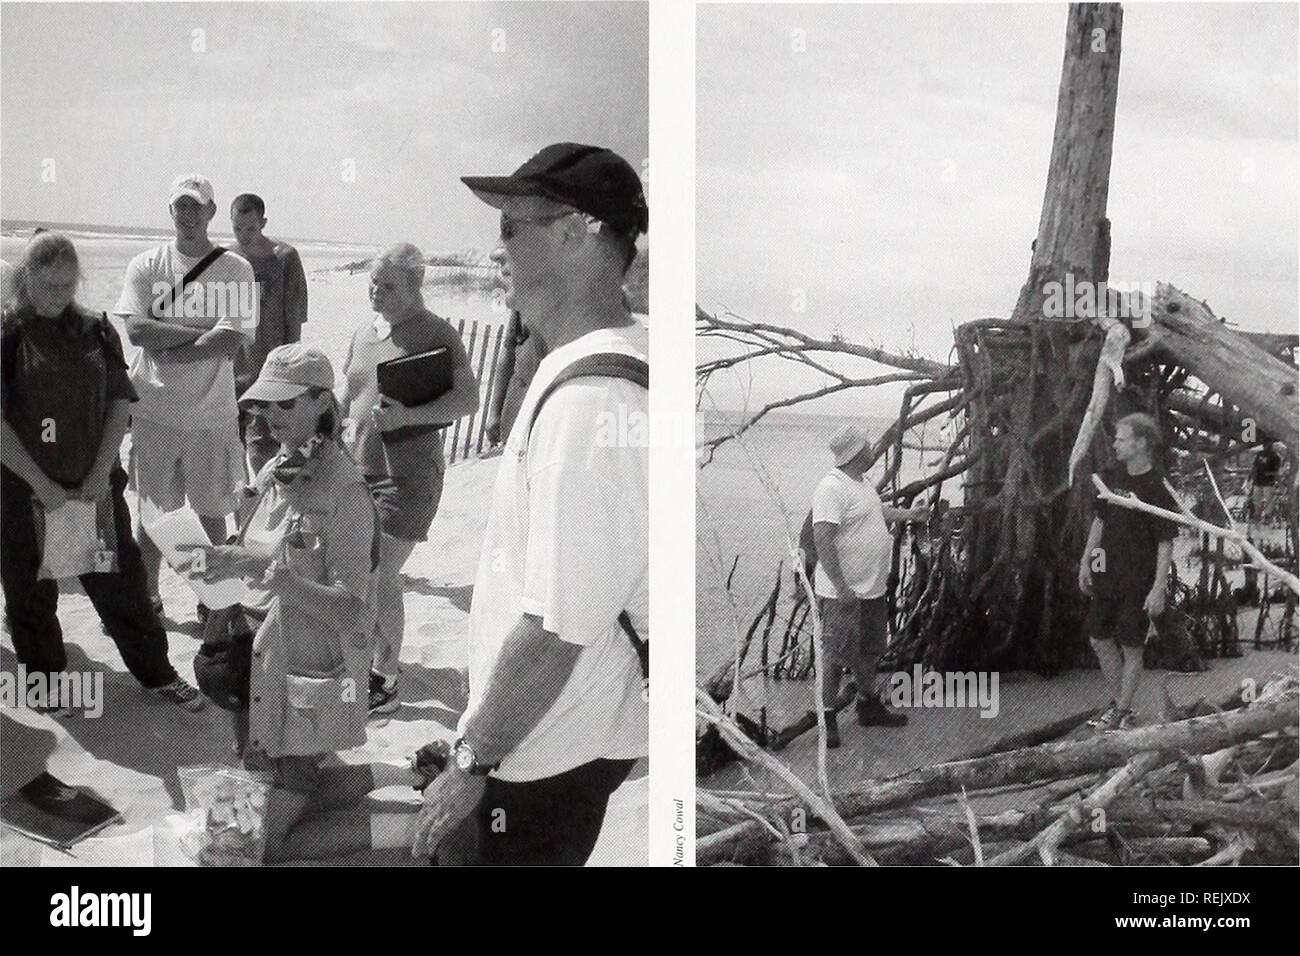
(556, 712)
(854, 545)
(185, 427)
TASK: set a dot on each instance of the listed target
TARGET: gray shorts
(856, 627)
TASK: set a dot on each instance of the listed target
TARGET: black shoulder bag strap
(197, 270)
(636, 371)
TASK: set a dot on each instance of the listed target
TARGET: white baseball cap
(193, 185)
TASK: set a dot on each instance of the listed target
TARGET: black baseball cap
(591, 179)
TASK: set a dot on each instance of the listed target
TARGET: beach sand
(129, 755)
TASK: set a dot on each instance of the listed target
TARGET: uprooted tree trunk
(1039, 393)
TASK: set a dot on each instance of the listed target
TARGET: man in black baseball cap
(556, 718)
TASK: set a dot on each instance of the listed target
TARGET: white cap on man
(193, 185)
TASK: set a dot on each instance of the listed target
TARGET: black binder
(47, 809)
(416, 379)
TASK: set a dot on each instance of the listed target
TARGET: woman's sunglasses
(259, 406)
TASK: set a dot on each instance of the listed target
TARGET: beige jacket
(308, 691)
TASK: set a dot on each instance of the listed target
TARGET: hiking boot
(383, 694)
(180, 693)
(873, 713)
(832, 731)
(1105, 717)
(429, 761)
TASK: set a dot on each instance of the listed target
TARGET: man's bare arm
(824, 535)
(214, 343)
(154, 336)
(532, 669)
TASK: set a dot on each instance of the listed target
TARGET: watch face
(465, 757)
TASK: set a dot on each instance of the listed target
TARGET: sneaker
(1123, 720)
(383, 694)
(429, 761)
(59, 712)
(180, 693)
(1105, 717)
(873, 713)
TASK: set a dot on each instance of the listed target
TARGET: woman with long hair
(66, 405)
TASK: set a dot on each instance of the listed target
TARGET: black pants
(121, 599)
(550, 822)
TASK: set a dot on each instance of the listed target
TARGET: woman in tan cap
(309, 550)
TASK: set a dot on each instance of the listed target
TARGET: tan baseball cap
(289, 371)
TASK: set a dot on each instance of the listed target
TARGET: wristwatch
(467, 760)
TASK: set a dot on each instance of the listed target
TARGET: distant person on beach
(1125, 567)
(309, 551)
(398, 448)
(190, 306)
(1264, 484)
(282, 289)
(67, 398)
(556, 717)
(854, 546)
(518, 365)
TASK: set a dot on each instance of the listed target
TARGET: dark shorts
(1118, 617)
(554, 821)
(855, 627)
(406, 505)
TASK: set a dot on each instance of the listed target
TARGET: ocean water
(751, 500)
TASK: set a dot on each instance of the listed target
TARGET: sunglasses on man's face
(509, 223)
(260, 406)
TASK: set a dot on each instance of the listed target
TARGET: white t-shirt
(192, 395)
(567, 541)
(862, 541)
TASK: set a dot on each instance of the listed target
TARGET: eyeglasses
(260, 406)
(508, 223)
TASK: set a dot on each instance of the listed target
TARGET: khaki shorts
(169, 465)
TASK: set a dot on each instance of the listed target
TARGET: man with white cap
(853, 553)
(189, 306)
(556, 717)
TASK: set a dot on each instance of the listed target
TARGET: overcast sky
(415, 95)
(894, 170)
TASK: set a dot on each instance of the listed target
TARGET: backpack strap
(597, 365)
(606, 365)
(169, 298)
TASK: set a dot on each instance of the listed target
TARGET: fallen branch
(1257, 557)
(750, 752)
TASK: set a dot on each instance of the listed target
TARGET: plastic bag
(73, 542)
(225, 815)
